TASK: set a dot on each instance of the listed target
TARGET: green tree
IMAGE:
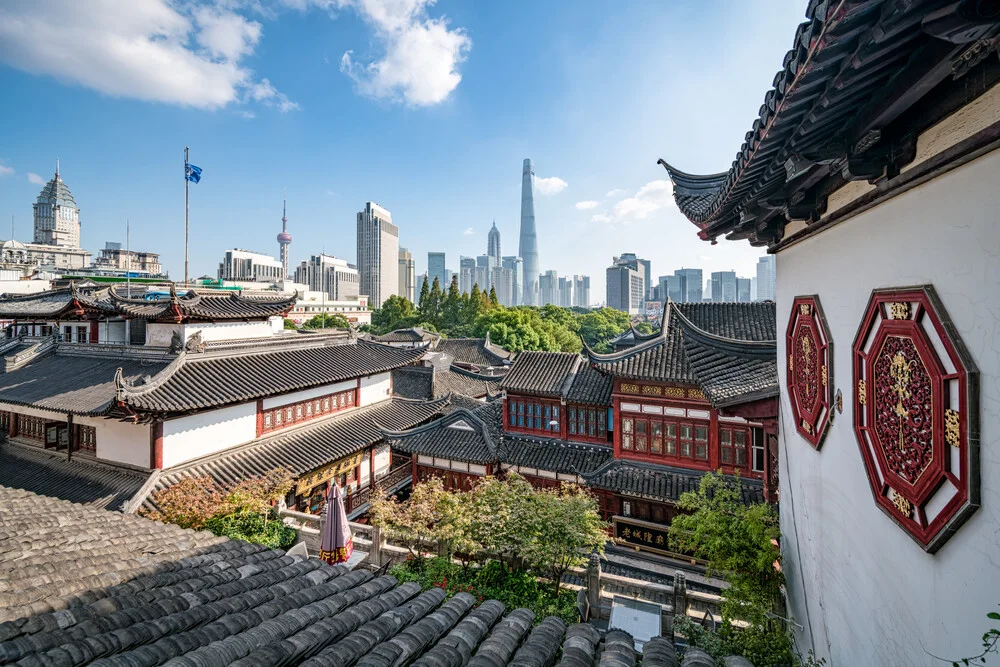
(739, 542)
(493, 297)
(516, 329)
(502, 514)
(451, 309)
(474, 307)
(436, 302)
(423, 302)
(290, 324)
(396, 313)
(327, 321)
(600, 326)
(427, 515)
(569, 527)
(644, 328)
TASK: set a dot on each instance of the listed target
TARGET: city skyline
(453, 154)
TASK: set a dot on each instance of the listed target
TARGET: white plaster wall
(375, 388)
(111, 332)
(365, 467)
(382, 460)
(122, 442)
(198, 435)
(863, 591)
(305, 395)
(160, 334)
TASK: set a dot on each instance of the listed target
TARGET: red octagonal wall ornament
(809, 377)
(916, 414)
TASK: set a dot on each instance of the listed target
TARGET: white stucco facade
(160, 334)
(375, 388)
(121, 442)
(861, 591)
(205, 433)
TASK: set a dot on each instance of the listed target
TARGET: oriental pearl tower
(284, 240)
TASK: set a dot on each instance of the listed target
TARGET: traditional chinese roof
(664, 359)
(426, 382)
(203, 307)
(658, 482)
(304, 448)
(553, 454)
(223, 376)
(630, 337)
(472, 436)
(541, 373)
(63, 303)
(411, 335)
(79, 480)
(69, 382)
(842, 109)
(590, 387)
(474, 351)
(129, 591)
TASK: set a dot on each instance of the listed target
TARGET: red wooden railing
(363, 496)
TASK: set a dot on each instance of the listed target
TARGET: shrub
(188, 503)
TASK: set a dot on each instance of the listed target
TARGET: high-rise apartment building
(548, 288)
(466, 274)
(503, 283)
(378, 254)
(625, 288)
(332, 275)
(766, 278)
(528, 246)
(743, 290)
(566, 292)
(436, 269)
(724, 286)
(581, 291)
(248, 266)
(407, 275)
(56, 216)
(641, 266)
(516, 266)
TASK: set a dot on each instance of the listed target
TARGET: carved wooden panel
(916, 414)
(809, 376)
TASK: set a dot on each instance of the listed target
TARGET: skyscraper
(378, 254)
(548, 288)
(641, 266)
(528, 246)
(435, 269)
(323, 273)
(566, 292)
(765, 278)
(284, 240)
(57, 218)
(466, 274)
(581, 291)
(724, 286)
(407, 275)
(516, 265)
(625, 288)
(690, 284)
(493, 246)
(743, 290)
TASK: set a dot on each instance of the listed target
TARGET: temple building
(106, 397)
(870, 175)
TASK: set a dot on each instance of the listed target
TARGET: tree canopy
(327, 321)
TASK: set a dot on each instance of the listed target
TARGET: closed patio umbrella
(337, 543)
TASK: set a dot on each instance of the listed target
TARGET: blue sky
(426, 108)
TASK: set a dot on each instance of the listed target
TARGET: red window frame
(525, 414)
(290, 414)
(665, 437)
(733, 452)
(587, 422)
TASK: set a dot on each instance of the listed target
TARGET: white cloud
(153, 50)
(586, 205)
(468, 231)
(249, 115)
(617, 192)
(6, 171)
(551, 185)
(648, 199)
(422, 55)
(266, 94)
(36, 179)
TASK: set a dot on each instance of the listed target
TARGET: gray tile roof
(427, 382)
(81, 585)
(541, 373)
(590, 387)
(465, 435)
(411, 335)
(728, 376)
(70, 382)
(68, 301)
(553, 454)
(663, 358)
(80, 480)
(193, 306)
(307, 447)
(658, 482)
(217, 378)
(473, 351)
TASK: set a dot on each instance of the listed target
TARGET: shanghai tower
(528, 246)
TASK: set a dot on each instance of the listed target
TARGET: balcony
(358, 501)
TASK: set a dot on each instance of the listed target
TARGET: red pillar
(713, 439)
(156, 445)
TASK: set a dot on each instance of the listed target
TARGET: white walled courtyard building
(871, 176)
(214, 386)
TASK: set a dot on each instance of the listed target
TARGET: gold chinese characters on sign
(310, 480)
(805, 308)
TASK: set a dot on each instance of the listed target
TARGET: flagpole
(185, 217)
(128, 259)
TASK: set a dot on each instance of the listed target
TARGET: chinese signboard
(320, 475)
(643, 534)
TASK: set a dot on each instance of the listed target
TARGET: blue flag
(191, 172)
